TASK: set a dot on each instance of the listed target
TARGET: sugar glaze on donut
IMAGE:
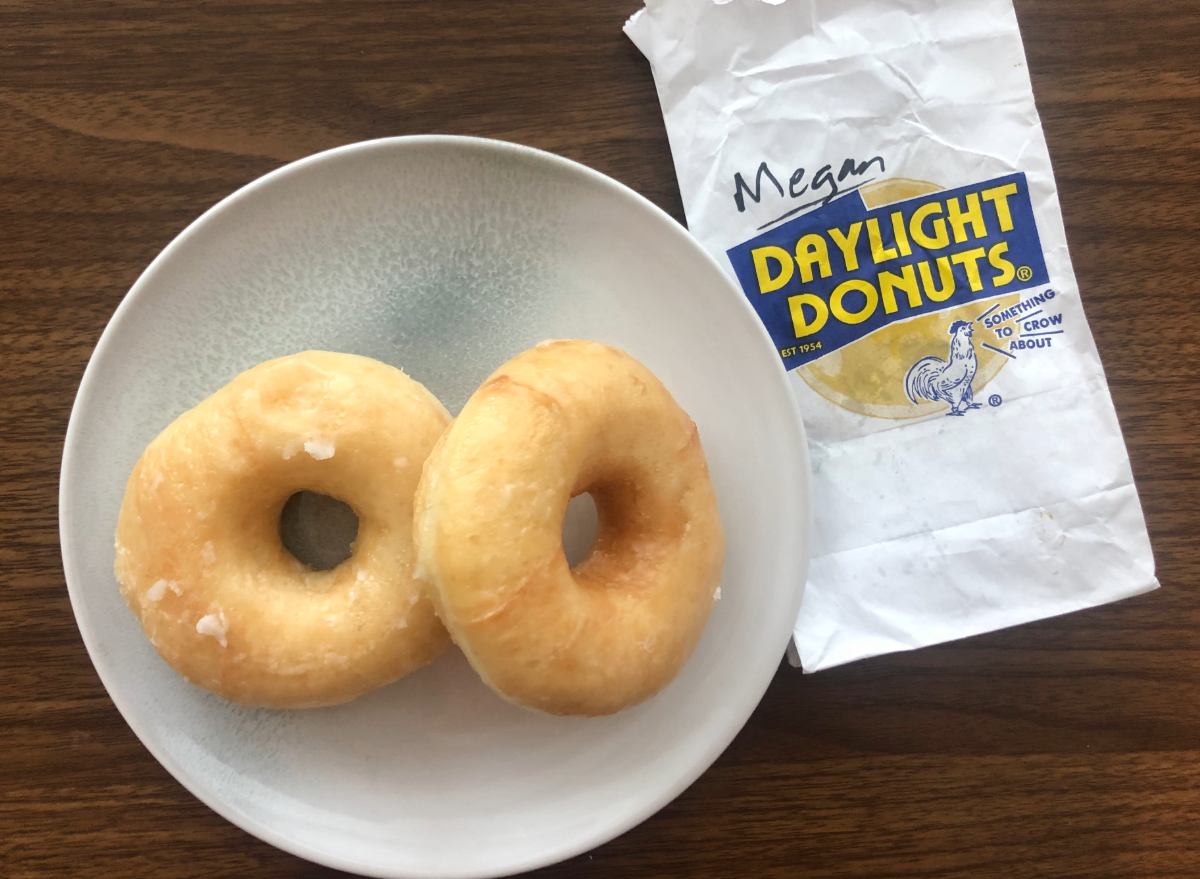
(199, 555)
(564, 418)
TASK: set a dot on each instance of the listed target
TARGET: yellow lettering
(811, 250)
(901, 238)
(996, 258)
(906, 281)
(879, 253)
(848, 244)
(916, 226)
(786, 267)
(969, 260)
(837, 306)
(946, 272)
(800, 323)
(999, 196)
(973, 215)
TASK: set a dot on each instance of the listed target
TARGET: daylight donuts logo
(877, 299)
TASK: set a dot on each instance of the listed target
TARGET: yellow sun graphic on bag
(901, 300)
(867, 376)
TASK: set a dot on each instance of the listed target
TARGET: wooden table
(1070, 748)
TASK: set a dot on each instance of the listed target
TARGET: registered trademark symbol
(994, 400)
(1024, 273)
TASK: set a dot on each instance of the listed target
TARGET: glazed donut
(199, 555)
(564, 418)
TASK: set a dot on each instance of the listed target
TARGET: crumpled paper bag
(874, 174)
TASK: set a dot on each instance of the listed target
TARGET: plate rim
(797, 554)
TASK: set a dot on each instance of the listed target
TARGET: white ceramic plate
(444, 256)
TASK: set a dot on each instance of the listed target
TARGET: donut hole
(579, 528)
(318, 530)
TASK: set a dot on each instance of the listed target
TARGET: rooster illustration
(933, 379)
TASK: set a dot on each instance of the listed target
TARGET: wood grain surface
(1069, 748)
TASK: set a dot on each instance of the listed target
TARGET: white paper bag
(875, 175)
